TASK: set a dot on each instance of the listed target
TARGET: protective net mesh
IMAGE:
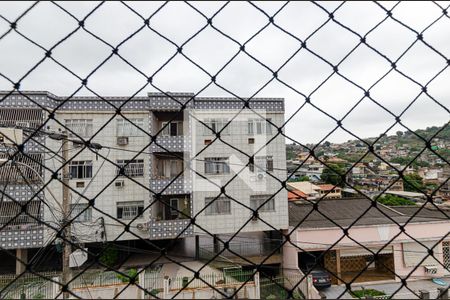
(53, 198)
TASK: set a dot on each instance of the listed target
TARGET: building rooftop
(296, 194)
(328, 187)
(344, 212)
(304, 186)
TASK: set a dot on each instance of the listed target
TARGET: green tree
(413, 183)
(301, 178)
(392, 200)
(110, 255)
(332, 175)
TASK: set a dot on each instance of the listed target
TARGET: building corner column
(21, 260)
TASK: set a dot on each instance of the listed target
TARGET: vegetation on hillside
(333, 174)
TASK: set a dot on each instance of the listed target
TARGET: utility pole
(67, 247)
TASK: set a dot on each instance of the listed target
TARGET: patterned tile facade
(148, 105)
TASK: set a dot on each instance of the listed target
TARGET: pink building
(374, 248)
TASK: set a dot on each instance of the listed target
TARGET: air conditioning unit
(119, 183)
(430, 270)
(229, 292)
(142, 226)
(122, 140)
(260, 176)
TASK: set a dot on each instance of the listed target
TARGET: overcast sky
(46, 24)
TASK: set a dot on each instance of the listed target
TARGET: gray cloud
(46, 24)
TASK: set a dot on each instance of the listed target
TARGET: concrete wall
(376, 236)
(246, 183)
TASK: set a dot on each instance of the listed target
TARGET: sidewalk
(412, 292)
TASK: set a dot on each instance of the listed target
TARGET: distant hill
(431, 131)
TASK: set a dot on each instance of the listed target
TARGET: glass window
(219, 206)
(168, 168)
(130, 210)
(173, 128)
(217, 165)
(263, 163)
(259, 126)
(80, 169)
(134, 168)
(134, 127)
(80, 127)
(216, 125)
(258, 200)
(81, 212)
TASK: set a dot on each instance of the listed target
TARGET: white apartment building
(176, 168)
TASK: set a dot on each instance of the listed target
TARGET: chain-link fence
(146, 193)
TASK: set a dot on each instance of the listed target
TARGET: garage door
(413, 253)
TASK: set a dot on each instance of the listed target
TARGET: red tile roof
(328, 187)
(296, 195)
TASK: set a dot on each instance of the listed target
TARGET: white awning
(413, 253)
(364, 252)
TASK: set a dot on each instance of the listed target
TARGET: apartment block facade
(174, 167)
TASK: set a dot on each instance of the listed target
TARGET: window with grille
(131, 128)
(263, 163)
(80, 127)
(258, 200)
(446, 253)
(216, 125)
(80, 169)
(81, 212)
(13, 213)
(218, 206)
(130, 210)
(173, 128)
(217, 165)
(259, 126)
(133, 168)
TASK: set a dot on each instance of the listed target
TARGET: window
(174, 128)
(216, 125)
(130, 128)
(80, 169)
(174, 208)
(135, 168)
(169, 168)
(217, 165)
(81, 127)
(259, 126)
(446, 253)
(219, 206)
(251, 140)
(130, 210)
(263, 163)
(81, 212)
(257, 200)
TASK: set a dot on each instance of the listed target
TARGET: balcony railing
(178, 186)
(169, 143)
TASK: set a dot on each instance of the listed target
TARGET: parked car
(320, 277)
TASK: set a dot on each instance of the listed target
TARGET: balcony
(165, 169)
(20, 229)
(170, 216)
(168, 229)
(178, 186)
(173, 207)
